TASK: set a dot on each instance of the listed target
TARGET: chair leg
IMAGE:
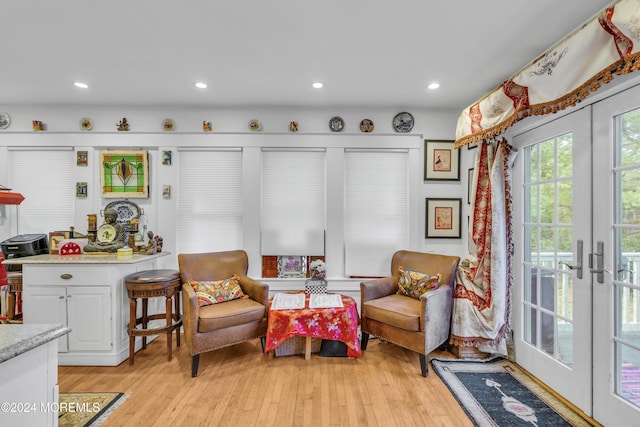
(424, 365)
(364, 341)
(263, 342)
(194, 365)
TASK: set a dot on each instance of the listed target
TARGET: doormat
(498, 393)
(87, 409)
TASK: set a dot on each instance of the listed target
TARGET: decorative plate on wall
(168, 125)
(5, 120)
(366, 125)
(86, 124)
(255, 125)
(336, 124)
(403, 122)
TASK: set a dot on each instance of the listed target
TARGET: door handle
(578, 265)
(599, 256)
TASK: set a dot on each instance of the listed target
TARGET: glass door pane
(548, 296)
(626, 226)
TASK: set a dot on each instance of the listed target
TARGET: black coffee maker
(22, 246)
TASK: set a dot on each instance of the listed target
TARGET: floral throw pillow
(219, 291)
(414, 283)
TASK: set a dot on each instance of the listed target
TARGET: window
(209, 201)
(376, 216)
(45, 178)
(293, 202)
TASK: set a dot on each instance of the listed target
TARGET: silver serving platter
(126, 210)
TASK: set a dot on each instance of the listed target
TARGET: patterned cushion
(414, 283)
(217, 291)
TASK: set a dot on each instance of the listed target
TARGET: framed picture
(82, 158)
(292, 266)
(55, 238)
(441, 161)
(124, 173)
(470, 185)
(166, 158)
(81, 189)
(443, 218)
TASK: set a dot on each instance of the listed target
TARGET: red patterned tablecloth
(339, 324)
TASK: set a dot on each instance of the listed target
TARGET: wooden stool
(14, 280)
(150, 284)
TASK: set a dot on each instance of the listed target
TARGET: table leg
(307, 349)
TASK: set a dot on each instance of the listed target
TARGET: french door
(576, 301)
(552, 235)
(616, 240)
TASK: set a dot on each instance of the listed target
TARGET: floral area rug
(87, 409)
(498, 393)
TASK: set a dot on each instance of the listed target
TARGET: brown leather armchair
(420, 325)
(221, 325)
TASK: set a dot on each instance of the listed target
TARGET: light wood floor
(239, 387)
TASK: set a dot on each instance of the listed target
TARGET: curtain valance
(563, 76)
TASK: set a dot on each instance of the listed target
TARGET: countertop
(84, 259)
(18, 339)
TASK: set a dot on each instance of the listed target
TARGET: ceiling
(268, 53)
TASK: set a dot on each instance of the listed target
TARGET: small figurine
(123, 125)
(158, 240)
(151, 247)
(318, 269)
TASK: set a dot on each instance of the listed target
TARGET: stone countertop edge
(18, 339)
(84, 259)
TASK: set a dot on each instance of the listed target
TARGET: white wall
(63, 129)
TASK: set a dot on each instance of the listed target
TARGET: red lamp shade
(9, 198)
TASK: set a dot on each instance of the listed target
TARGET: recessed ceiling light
(201, 85)
(317, 85)
(434, 86)
(81, 85)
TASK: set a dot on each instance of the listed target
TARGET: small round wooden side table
(151, 284)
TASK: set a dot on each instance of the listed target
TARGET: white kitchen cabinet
(86, 310)
(87, 294)
(29, 374)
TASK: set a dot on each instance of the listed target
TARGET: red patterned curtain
(607, 45)
(482, 297)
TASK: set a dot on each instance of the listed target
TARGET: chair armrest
(435, 315)
(377, 288)
(257, 291)
(189, 309)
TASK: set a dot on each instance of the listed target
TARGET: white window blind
(293, 202)
(209, 201)
(45, 178)
(376, 210)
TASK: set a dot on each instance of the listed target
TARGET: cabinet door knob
(61, 297)
(66, 276)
